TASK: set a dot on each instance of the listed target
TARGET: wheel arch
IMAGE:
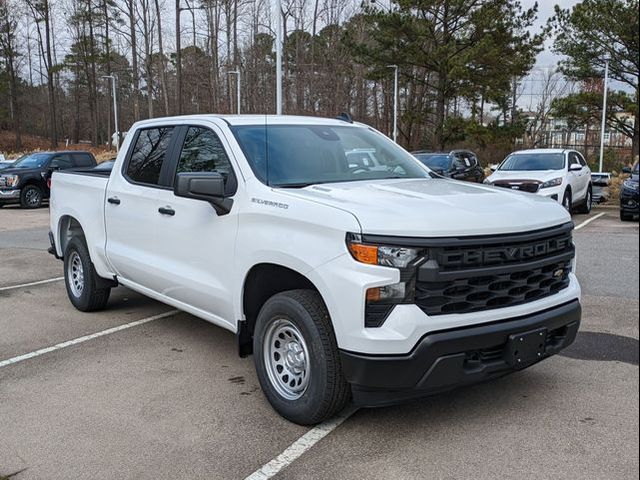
(68, 228)
(261, 282)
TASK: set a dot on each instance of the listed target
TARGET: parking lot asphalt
(171, 399)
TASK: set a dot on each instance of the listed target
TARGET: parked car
(5, 163)
(457, 164)
(560, 174)
(629, 195)
(378, 283)
(26, 180)
(600, 182)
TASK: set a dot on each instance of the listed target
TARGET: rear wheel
(296, 358)
(588, 202)
(81, 279)
(31, 196)
(566, 201)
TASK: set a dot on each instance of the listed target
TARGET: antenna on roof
(345, 117)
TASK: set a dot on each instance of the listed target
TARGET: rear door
(198, 247)
(134, 227)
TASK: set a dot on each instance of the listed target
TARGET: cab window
(62, 162)
(148, 155)
(202, 151)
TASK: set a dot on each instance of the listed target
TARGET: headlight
(379, 301)
(556, 182)
(631, 185)
(11, 180)
(386, 256)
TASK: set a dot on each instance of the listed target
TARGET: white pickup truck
(348, 278)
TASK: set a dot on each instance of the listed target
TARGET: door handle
(113, 200)
(167, 211)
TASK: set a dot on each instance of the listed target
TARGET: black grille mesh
(495, 291)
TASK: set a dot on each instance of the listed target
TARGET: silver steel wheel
(75, 274)
(286, 359)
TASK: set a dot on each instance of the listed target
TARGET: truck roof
(255, 119)
(541, 150)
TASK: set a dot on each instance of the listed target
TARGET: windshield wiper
(292, 185)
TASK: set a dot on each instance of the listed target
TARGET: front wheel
(566, 201)
(625, 217)
(81, 279)
(296, 358)
(31, 196)
(588, 202)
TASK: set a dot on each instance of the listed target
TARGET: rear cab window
(148, 155)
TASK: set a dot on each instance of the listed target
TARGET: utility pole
(237, 74)
(178, 62)
(395, 101)
(115, 108)
(279, 58)
(604, 112)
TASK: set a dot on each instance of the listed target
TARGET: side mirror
(207, 186)
(576, 167)
(627, 170)
(493, 168)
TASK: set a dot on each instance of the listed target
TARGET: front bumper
(630, 202)
(448, 359)
(9, 195)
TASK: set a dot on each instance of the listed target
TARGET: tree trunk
(134, 60)
(163, 66)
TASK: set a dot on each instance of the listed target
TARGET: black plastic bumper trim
(442, 360)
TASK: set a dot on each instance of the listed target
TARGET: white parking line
(75, 341)
(297, 448)
(31, 284)
(587, 222)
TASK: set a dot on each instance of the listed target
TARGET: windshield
(32, 160)
(302, 155)
(435, 162)
(533, 161)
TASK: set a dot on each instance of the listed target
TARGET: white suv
(560, 174)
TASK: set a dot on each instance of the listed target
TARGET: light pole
(604, 111)
(115, 108)
(395, 101)
(237, 74)
(279, 58)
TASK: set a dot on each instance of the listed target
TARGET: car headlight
(386, 256)
(556, 182)
(379, 301)
(631, 185)
(11, 180)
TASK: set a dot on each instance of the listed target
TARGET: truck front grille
(484, 292)
(471, 275)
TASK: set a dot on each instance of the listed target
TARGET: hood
(19, 171)
(537, 175)
(437, 207)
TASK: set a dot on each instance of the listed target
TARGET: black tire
(326, 391)
(31, 196)
(625, 217)
(567, 200)
(89, 298)
(588, 202)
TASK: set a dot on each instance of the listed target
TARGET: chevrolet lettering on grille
(496, 255)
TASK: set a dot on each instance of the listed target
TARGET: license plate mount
(526, 348)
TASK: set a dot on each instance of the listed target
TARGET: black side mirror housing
(206, 186)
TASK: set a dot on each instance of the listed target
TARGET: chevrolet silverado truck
(374, 283)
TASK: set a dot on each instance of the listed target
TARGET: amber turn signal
(364, 253)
